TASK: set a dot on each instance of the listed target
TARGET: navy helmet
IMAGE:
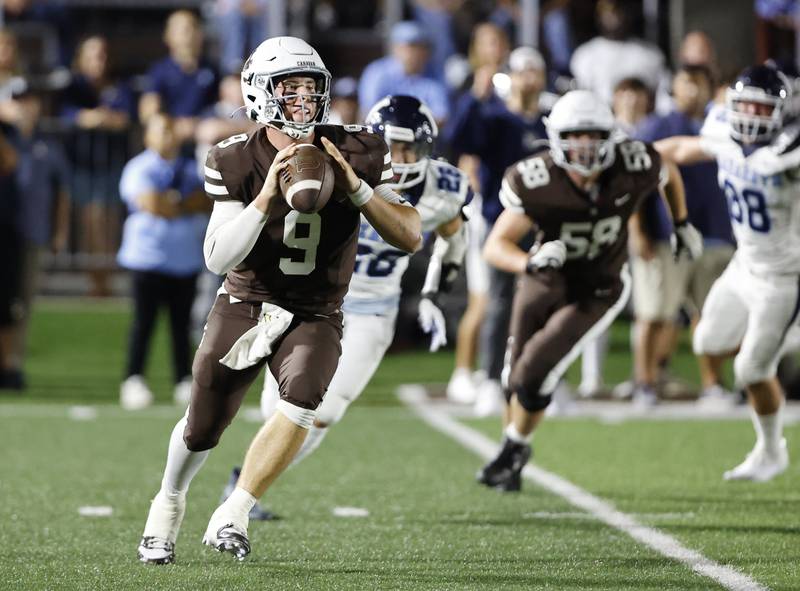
(401, 118)
(757, 103)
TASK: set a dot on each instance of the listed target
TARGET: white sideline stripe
(215, 189)
(300, 186)
(415, 398)
(212, 174)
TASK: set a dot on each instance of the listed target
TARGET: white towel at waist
(256, 343)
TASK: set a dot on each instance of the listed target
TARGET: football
(307, 183)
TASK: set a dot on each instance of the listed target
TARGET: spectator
(226, 117)
(162, 246)
(10, 252)
(42, 178)
(183, 83)
(489, 48)
(42, 18)
(499, 132)
(697, 49)
(100, 109)
(10, 77)
(242, 25)
(436, 17)
(344, 102)
(632, 102)
(402, 72)
(488, 53)
(662, 285)
(557, 37)
(600, 63)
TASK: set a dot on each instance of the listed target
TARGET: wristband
(361, 195)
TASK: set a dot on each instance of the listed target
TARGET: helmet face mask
(580, 130)
(273, 62)
(585, 151)
(756, 104)
(407, 122)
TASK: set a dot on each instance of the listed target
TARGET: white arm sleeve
(448, 255)
(232, 232)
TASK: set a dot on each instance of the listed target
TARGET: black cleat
(257, 513)
(154, 550)
(504, 472)
(230, 540)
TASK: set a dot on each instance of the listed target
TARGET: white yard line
(416, 398)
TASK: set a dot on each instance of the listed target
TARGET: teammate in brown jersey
(578, 199)
(287, 273)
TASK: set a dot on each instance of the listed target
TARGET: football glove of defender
(550, 254)
(432, 322)
(686, 239)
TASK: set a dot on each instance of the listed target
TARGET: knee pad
(200, 442)
(533, 402)
(749, 371)
(302, 417)
(332, 409)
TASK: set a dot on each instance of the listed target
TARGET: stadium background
(76, 354)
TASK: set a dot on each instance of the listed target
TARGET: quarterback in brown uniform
(577, 198)
(287, 273)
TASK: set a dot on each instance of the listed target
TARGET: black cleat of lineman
(504, 472)
(151, 543)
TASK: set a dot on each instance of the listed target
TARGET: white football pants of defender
(751, 312)
(365, 339)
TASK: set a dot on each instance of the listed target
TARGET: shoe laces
(157, 543)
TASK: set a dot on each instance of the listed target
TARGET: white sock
(770, 429)
(515, 436)
(182, 463)
(593, 359)
(239, 504)
(312, 442)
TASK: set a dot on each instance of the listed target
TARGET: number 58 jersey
(592, 225)
(375, 285)
(762, 187)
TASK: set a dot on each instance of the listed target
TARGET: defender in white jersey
(439, 191)
(756, 300)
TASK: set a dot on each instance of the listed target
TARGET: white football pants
(751, 312)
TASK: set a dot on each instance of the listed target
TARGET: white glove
(432, 322)
(686, 239)
(550, 254)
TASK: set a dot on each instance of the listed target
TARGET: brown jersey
(300, 261)
(593, 226)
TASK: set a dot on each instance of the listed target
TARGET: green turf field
(429, 526)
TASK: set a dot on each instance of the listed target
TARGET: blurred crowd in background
(107, 112)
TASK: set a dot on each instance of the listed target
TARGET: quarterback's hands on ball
(686, 239)
(344, 175)
(432, 322)
(550, 254)
(272, 188)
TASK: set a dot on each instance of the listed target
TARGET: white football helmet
(275, 59)
(581, 110)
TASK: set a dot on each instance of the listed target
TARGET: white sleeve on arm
(390, 195)
(232, 232)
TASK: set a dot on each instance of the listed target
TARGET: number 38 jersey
(375, 286)
(762, 187)
(593, 226)
(300, 261)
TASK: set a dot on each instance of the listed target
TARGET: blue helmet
(401, 118)
(770, 91)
